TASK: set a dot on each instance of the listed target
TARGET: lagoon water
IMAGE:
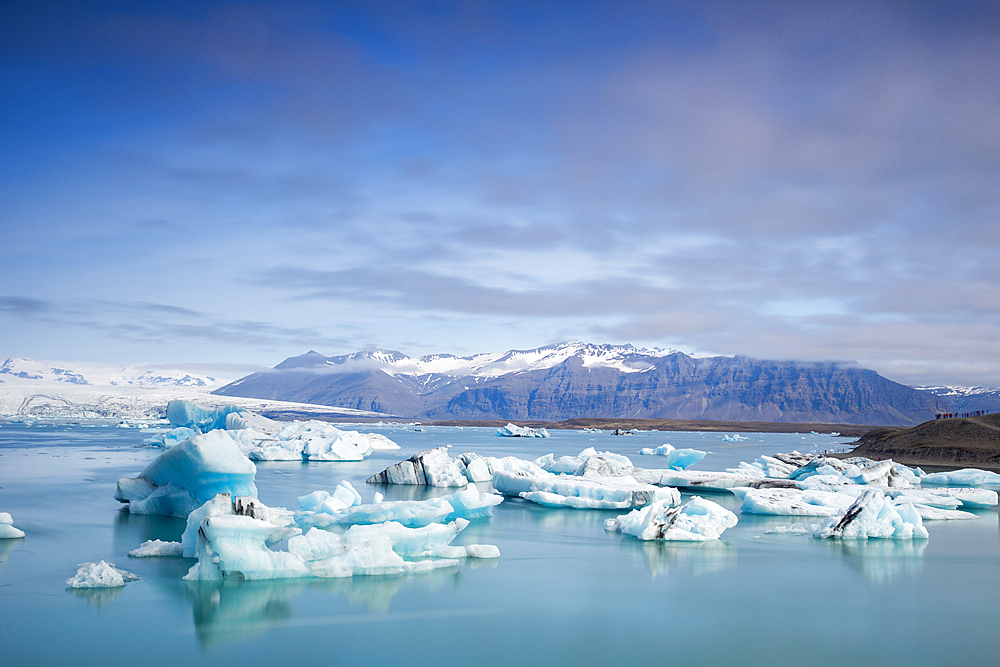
(564, 591)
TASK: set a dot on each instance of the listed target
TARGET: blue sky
(230, 184)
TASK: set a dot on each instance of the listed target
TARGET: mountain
(967, 399)
(577, 379)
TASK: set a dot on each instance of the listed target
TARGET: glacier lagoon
(564, 591)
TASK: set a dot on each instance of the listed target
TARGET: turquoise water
(564, 591)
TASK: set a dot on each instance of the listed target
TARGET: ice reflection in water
(696, 558)
(230, 610)
(882, 561)
(97, 597)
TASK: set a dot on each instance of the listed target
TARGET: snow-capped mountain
(967, 399)
(576, 379)
(42, 372)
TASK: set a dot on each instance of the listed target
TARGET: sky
(223, 185)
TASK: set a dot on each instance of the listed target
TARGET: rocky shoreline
(945, 443)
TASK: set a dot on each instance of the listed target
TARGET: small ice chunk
(515, 431)
(482, 551)
(100, 575)
(157, 548)
(7, 529)
(697, 520)
(469, 503)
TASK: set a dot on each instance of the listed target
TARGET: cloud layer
(239, 183)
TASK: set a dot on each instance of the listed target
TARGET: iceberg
(552, 490)
(576, 465)
(697, 520)
(280, 520)
(190, 415)
(787, 502)
(468, 503)
(713, 482)
(186, 476)
(677, 459)
(872, 515)
(7, 529)
(100, 575)
(515, 431)
(736, 437)
(236, 546)
(434, 467)
(157, 549)
(963, 477)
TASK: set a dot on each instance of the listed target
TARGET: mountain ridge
(584, 380)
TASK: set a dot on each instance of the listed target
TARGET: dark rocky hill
(969, 441)
(577, 380)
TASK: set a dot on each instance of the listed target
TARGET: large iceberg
(188, 475)
(788, 502)
(7, 529)
(469, 503)
(185, 414)
(552, 490)
(100, 575)
(434, 467)
(515, 431)
(697, 520)
(236, 546)
(873, 515)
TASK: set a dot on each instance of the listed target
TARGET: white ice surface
(7, 529)
(515, 431)
(873, 515)
(469, 503)
(100, 575)
(552, 490)
(157, 548)
(963, 477)
(434, 467)
(697, 520)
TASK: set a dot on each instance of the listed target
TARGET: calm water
(563, 592)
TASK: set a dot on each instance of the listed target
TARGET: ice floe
(677, 459)
(100, 575)
(157, 549)
(434, 467)
(872, 515)
(515, 431)
(963, 477)
(552, 490)
(469, 503)
(7, 529)
(186, 476)
(697, 520)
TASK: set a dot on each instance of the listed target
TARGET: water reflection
(230, 610)
(6, 546)
(97, 597)
(882, 561)
(696, 558)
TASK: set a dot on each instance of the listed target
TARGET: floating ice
(469, 503)
(7, 529)
(237, 546)
(267, 440)
(872, 515)
(223, 505)
(185, 477)
(963, 477)
(515, 431)
(787, 502)
(100, 575)
(697, 520)
(575, 465)
(736, 437)
(677, 459)
(172, 437)
(433, 467)
(157, 548)
(700, 480)
(552, 490)
(203, 420)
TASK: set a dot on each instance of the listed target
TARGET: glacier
(7, 529)
(100, 575)
(697, 520)
(186, 476)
